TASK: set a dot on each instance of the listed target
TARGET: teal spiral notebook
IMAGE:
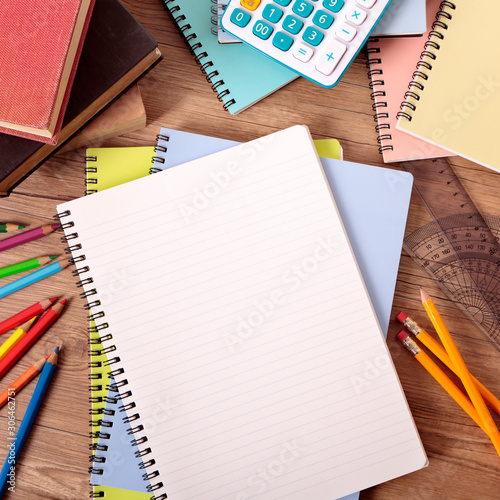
(373, 203)
(239, 74)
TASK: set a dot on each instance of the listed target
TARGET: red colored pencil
(27, 236)
(25, 315)
(31, 337)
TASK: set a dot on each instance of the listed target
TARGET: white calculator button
(366, 3)
(346, 32)
(303, 52)
(329, 59)
(356, 16)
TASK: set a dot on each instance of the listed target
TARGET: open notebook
(244, 307)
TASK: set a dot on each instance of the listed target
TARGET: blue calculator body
(316, 38)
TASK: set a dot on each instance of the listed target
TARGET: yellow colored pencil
(491, 400)
(18, 334)
(462, 370)
(441, 378)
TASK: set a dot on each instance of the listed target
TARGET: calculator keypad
(316, 38)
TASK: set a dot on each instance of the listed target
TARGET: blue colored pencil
(33, 277)
(17, 443)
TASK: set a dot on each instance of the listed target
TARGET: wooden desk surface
(54, 464)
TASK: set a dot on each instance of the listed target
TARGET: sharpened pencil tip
(424, 295)
(52, 257)
(56, 350)
(53, 299)
(55, 226)
(63, 302)
(21, 227)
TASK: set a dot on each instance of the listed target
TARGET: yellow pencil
(20, 332)
(491, 400)
(462, 371)
(441, 378)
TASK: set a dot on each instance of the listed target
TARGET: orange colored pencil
(31, 337)
(441, 378)
(491, 400)
(23, 380)
(462, 370)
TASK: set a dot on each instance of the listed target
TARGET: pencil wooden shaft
(462, 371)
(27, 236)
(26, 265)
(21, 381)
(25, 315)
(491, 400)
(27, 422)
(444, 381)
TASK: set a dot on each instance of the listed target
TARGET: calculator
(316, 38)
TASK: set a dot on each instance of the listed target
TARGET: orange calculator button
(250, 4)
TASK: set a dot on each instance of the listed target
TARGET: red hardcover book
(40, 45)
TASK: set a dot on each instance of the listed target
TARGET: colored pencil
(31, 337)
(490, 399)
(27, 236)
(25, 315)
(441, 378)
(21, 381)
(17, 443)
(462, 370)
(33, 277)
(26, 265)
(15, 338)
(7, 227)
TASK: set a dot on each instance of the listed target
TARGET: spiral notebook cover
(393, 61)
(344, 185)
(236, 71)
(455, 98)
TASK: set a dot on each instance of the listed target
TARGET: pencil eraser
(402, 335)
(401, 316)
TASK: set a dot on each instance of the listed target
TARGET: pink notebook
(393, 61)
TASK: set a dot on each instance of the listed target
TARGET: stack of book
(52, 86)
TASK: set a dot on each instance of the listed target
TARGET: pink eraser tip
(402, 316)
(402, 335)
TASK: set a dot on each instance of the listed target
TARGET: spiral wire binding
(196, 48)
(376, 80)
(214, 18)
(100, 345)
(427, 57)
(162, 149)
(90, 170)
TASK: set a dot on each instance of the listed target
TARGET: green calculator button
(284, 3)
(282, 41)
(302, 8)
(333, 5)
(240, 17)
(262, 30)
(313, 36)
(271, 13)
(292, 24)
(322, 19)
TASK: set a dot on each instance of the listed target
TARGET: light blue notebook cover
(402, 17)
(373, 203)
(240, 75)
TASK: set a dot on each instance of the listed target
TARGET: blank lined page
(244, 329)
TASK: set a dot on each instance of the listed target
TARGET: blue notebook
(402, 17)
(235, 70)
(373, 203)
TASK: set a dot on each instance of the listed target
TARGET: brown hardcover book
(117, 51)
(126, 114)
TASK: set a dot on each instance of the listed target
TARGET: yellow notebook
(454, 101)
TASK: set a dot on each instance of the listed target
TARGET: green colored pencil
(8, 226)
(26, 265)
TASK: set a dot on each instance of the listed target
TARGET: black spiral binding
(201, 56)
(90, 170)
(159, 148)
(427, 57)
(100, 343)
(376, 81)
